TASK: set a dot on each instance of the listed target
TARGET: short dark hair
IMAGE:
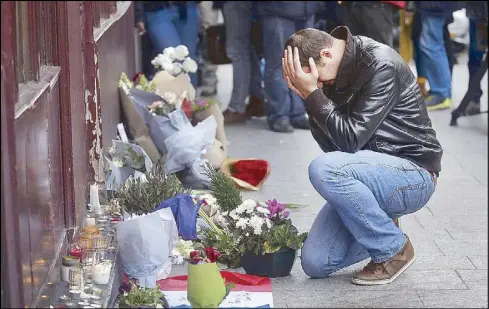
(309, 42)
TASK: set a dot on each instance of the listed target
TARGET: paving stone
(461, 247)
(474, 279)
(354, 299)
(480, 261)
(454, 298)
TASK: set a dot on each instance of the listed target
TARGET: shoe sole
(439, 107)
(385, 281)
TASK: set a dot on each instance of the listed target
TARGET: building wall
(60, 107)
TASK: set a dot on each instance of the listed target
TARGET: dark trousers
(372, 19)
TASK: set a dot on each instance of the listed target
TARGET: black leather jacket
(375, 104)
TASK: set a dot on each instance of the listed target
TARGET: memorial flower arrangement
(127, 158)
(249, 226)
(175, 61)
(141, 196)
(134, 296)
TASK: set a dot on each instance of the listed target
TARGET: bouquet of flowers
(206, 287)
(133, 296)
(175, 61)
(249, 226)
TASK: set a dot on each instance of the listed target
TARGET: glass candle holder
(100, 242)
(75, 278)
(90, 230)
(76, 248)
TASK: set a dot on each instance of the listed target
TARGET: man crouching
(382, 158)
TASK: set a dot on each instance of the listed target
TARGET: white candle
(90, 221)
(94, 199)
(101, 272)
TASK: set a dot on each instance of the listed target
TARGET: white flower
(177, 69)
(242, 223)
(177, 259)
(268, 222)
(256, 223)
(169, 52)
(181, 51)
(112, 150)
(233, 214)
(170, 97)
(262, 210)
(189, 65)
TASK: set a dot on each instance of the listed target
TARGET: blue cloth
(475, 59)
(433, 55)
(168, 27)
(365, 191)
(185, 212)
(282, 102)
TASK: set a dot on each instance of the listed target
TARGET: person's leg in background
(237, 20)
(452, 59)
(416, 33)
(276, 31)
(208, 80)
(161, 29)
(187, 26)
(435, 61)
(475, 60)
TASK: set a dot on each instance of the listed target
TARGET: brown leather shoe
(386, 272)
(234, 117)
(255, 108)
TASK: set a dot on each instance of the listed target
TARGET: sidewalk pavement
(450, 234)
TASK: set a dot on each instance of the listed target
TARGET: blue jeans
(282, 102)
(166, 29)
(365, 191)
(246, 64)
(433, 56)
(475, 58)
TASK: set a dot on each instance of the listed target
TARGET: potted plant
(133, 296)
(259, 236)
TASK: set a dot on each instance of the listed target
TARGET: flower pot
(272, 265)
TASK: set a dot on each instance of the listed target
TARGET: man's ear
(326, 53)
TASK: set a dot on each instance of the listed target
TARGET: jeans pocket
(409, 199)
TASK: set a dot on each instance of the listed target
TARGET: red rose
(212, 254)
(194, 254)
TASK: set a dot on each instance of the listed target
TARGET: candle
(101, 272)
(94, 198)
(90, 221)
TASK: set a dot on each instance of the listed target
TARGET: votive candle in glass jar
(67, 262)
(76, 248)
(101, 272)
(75, 278)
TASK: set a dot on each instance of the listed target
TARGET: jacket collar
(347, 63)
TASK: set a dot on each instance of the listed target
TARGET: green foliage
(227, 246)
(142, 197)
(223, 189)
(283, 236)
(143, 297)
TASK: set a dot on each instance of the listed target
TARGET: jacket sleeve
(350, 132)
(138, 11)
